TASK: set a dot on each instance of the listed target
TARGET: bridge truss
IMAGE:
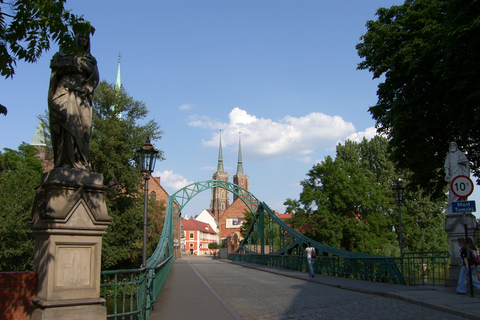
(268, 241)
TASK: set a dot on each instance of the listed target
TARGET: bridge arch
(269, 236)
(181, 198)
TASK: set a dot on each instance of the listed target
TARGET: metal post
(468, 254)
(400, 227)
(145, 221)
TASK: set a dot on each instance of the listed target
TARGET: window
(191, 235)
(153, 195)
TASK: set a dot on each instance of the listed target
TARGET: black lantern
(399, 189)
(148, 154)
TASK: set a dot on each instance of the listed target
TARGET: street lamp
(148, 154)
(399, 189)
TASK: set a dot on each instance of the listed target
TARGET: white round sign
(461, 186)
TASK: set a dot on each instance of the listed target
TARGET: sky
(280, 74)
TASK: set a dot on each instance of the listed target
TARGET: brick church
(229, 216)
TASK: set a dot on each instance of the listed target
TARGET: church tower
(118, 88)
(40, 143)
(220, 197)
(240, 178)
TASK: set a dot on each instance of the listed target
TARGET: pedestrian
(311, 254)
(473, 255)
(467, 265)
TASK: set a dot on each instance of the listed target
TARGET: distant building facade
(198, 235)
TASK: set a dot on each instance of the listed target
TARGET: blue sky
(283, 73)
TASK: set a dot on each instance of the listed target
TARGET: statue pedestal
(69, 219)
(455, 228)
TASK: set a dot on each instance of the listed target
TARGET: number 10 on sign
(461, 186)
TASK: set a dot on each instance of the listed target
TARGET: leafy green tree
(28, 26)
(425, 53)
(348, 203)
(116, 136)
(19, 175)
(213, 245)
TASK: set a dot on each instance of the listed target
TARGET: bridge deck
(201, 288)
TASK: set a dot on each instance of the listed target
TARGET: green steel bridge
(268, 241)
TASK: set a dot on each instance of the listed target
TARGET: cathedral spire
(118, 86)
(240, 163)
(220, 155)
(118, 83)
(39, 136)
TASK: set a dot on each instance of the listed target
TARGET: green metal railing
(426, 268)
(377, 269)
(419, 268)
(132, 294)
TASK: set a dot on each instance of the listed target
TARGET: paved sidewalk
(187, 294)
(439, 298)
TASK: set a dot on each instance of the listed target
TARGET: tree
(28, 26)
(116, 137)
(213, 245)
(19, 175)
(348, 203)
(425, 52)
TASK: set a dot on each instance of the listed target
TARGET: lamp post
(148, 154)
(399, 189)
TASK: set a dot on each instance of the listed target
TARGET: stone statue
(456, 164)
(72, 83)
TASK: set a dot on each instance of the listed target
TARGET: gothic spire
(118, 83)
(39, 135)
(118, 86)
(240, 163)
(220, 156)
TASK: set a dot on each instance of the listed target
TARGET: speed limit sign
(461, 186)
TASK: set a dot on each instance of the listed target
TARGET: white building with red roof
(198, 235)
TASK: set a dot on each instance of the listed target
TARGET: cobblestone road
(255, 294)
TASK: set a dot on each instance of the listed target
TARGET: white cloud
(186, 106)
(369, 133)
(295, 137)
(172, 181)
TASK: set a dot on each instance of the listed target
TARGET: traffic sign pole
(462, 187)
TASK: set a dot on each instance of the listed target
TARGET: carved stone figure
(72, 83)
(456, 164)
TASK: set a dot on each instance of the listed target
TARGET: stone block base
(68, 310)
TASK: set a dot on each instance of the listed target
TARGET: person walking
(467, 265)
(311, 254)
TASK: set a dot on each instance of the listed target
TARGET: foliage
(425, 53)
(28, 26)
(19, 175)
(348, 203)
(213, 245)
(116, 137)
